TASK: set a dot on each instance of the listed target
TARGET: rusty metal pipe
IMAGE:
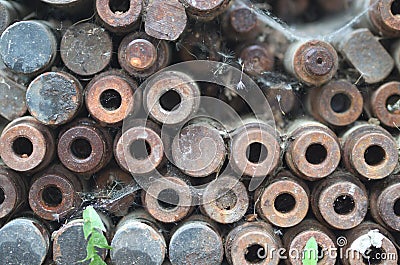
(13, 192)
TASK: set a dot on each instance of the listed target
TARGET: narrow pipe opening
(316, 154)
(340, 103)
(396, 207)
(119, 6)
(2, 196)
(110, 100)
(226, 200)
(284, 203)
(22, 147)
(170, 100)
(256, 152)
(168, 199)
(374, 155)
(393, 104)
(344, 204)
(140, 149)
(81, 148)
(52, 196)
(395, 8)
(373, 256)
(255, 254)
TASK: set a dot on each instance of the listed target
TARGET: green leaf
(92, 221)
(97, 261)
(310, 255)
(97, 239)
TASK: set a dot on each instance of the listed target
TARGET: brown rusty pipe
(197, 240)
(283, 201)
(169, 199)
(254, 149)
(13, 192)
(199, 148)
(54, 98)
(119, 18)
(382, 16)
(353, 251)
(138, 238)
(225, 200)
(78, 52)
(295, 240)
(338, 103)
(369, 151)
(141, 55)
(385, 104)
(120, 189)
(84, 147)
(205, 10)
(313, 150)
(313, 62)
(251, 243)
(171, 98)
(27, 145)
(340, 201)
(24, 241)
(111, 96)
(53, 194)
(385, 202)
(257, 59)
(139, 149)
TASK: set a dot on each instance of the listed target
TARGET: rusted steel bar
(338, 103)
(382, 16)
(69, 243)
(24, 241)
(84, 147)
(27, 145)
(313, 150)
(115, 189)
(385, 104)
(366, 54)
(111, 96)
(165, 19)
(283, 201)
(139, 149)
(53, 194)
(369, 243)
(295, 240)
(226, 200)
(138, 240)
(257, 59)
(86, 49)
(385, 202)
(312, 62)
(142, 55)
(252, 243)
(199, 148)
(39, 49)
(369, 151)
(340, 201)
(196, 240)
(205, 10)
(254, 149)
(54, 98)
(171, 98)
(169, 199)
(13, 192)
(119, 16)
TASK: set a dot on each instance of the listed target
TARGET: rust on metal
(385, 104)
(13, 192)
(257, 59)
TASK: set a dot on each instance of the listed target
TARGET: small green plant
(310, 256)
(93, 229)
